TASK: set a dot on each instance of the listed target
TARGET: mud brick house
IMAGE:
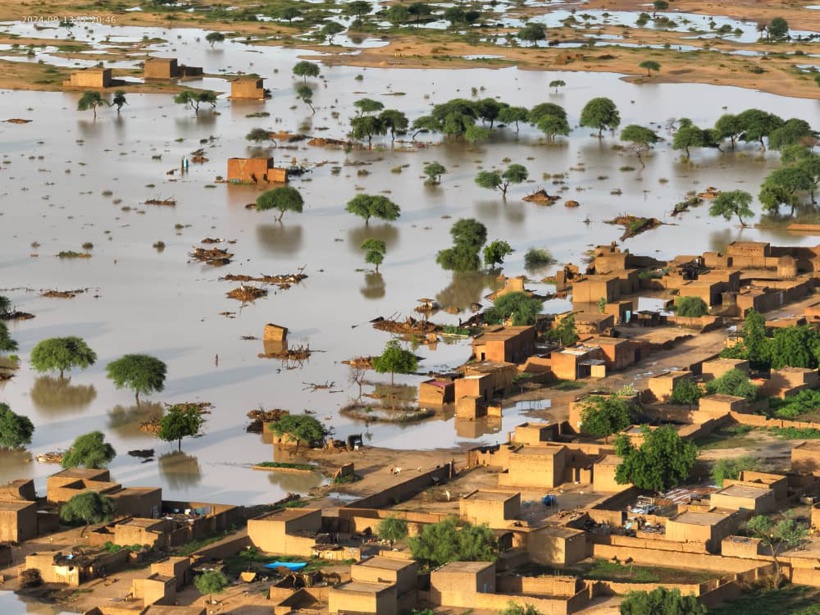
(788, 381)
(168, 68)
(550, 545)
(593, 323)
(618, 353)
(534, 433)
(129, 501)
(248, 88)
(709, 528)
(456, 584)
(717, 367)
(357, 597)
(720, 405)
(90, 78)
(436, 392)
(536, 467)
(579, 361)
(758, 499)
(593, 288)
(505, 344)
(662, 385)
(255, 170)
(806, 458)
(290, 531)
(495, 508)
(19, 519)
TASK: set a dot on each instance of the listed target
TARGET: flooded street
(140, 300)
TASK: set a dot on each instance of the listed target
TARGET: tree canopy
(685, 392)
(778, 536)
(469, 236)
(119, 99)
(392, 528)
(374, 251)
(331, 29)
(301, 427)
(513, 174)
(434, 171)
(393, 121)
(533, 32)
(734, 382)
(604, 416)
(640, 138)
(692, 307)
(305, 69)
(495, 252)
(373, 206)
(661, 600)
(7, 343)
(90, 100)
(662, 461)
(214, 37)
(283, 198)
(557, 83)
(89, 451)
(62, 354)
(649, 66)
(88, 507)
(194, 99)
(446, 541)
(732, 203)
(600, 113)
(141, 373)
(211, 582)
(15, 429)
(521, 307)
(305, 93)
(395, 359)
(180, 421)
(366, 127)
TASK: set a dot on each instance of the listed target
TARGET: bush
(692, 307)
(731, 468)
(31, 577)
(537, 258)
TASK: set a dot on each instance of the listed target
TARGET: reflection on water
(478, 428)
(295, 482)
(279, 238)
(126, 420)
(180, 470)
(387, 233)
(466, 288)
(52, 395)
(15, 464)
(374, 287)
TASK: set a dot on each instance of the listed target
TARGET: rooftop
(744, 491)
(723, 398)
(501, 334)
(287, 514)
(489, 496)
(809, 445)
(542, 451)
(15, 505)
(465, 567)
(85, 473)
(487, 367)
(363, 588)
(386, 563)
(702, 518)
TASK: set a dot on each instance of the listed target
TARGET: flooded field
(68, 180)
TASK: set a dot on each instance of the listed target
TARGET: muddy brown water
(55, 169)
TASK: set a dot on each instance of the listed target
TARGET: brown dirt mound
(259, 417)
(541, 196)
(213, 256)
(322, 142)
(408, 326)
(247, 293)
(17, 120)
(360, 362)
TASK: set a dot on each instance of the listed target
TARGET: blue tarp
(288, 565)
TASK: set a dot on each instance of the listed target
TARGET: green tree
(118, 100)
(543, 110)
(305, 93)
(398, 14)
(734, 382)
(425, 123)
(604, 416)
(180, 421)
(520, 306)
(368, 105)
(88, 507)
(305, 69)
(640, 139)
(393, 121)
(731, 469)
(660, 5)
(434, 171)
(783, 186)
(732, 203)
(90, 100)
(373, 206)
(692, 307)
(259, 135)
(796, 346)
(514, 174)
(283, 198)
(5, 305)
(331, 29)
(513, 115)
(214, 37)
(533, 33)
(63, 354)
(289, 13)
(649, 66)
(366, 127)
(7, 344)
(553, 126)
(211, 582)
(358, 8)
(686, 392)
(454, 117)
(194, 99)
(420, 10)
(395, 359)
(300, 427)
(728, 127)
(778, 28)
(537, 258)
(15, 429)
(777, 536)
(557, 83)
(757, 125)
(688, 136)
(661, 600)
(513, 608)
(141, 373)
(600, 113)
(755, 342)
(469, 236)
(794, 131)
(444, 542)
(662, 461)
(374, 251)
(564, 331)
(89, 451)
(495, 252)
(489, 109)
(392, 529)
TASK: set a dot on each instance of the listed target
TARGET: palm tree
(118, 101)
(90, 100)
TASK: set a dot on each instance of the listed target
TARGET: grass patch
(286, 465)
(794, 599)
(793, 433)
(568, 385)
(606, 570)
(737, 436)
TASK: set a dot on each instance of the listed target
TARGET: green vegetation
(661, 600)
(301, 427)
(392, 528)
(736, 436)
(373, 206)
(180, 421)
(211, 582)
(283, 198)
(605, 416)
(537, 258)
(434, 171)
(87, 507)
(90, 100)
(214, 37)
(15, 429)
(640, 139)
(564, 332)
(285, 465)
(662, 461)
(118, 100)
(794, 433)
(110, 547)
(7, 344)
(194, 99)
(792, 599)
(396, 360)
(778, 536)
(501, 180)
(89, 451)
(692, 307)
(374, 250)
(519, 306)
(649, 66)
(469, 236)
(447, 541)
(686, 392)
(734, 382)
(805, 402)
(495, 252)
(141, 373)
(305, 69)
(731, 468)
(513, 608)
(600, 113)
(62, 354)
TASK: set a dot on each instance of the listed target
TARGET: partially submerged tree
(194, 99)
(90, 100)
(180, 421)
(62, 354)
(533, 32)
(557, 83)
(301, 427)
(305, 93)
(214, 37)
(469, 236)
(118, 100)
(365, 127)
(520, 307)
(604, 416)
(141, 373)
(447, 541)
(88, 507)
(89, 451)
(600, 113)
(434, 171)
(283, 198)
(373, 206)
(514, 174)
(640, 139)
(331, 29)
(495, 252)
(393, 121)
(396, 360)
(366, 106)
(732, 203)
(662, 461)
(305, 69)
(259, 135)
(374, 251)
(7, 343)
(513, 115)
(15, 429)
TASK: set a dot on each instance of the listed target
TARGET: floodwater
(56, 168)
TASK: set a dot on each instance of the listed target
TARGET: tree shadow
(374, 286)
(180, 470)
(125, 421)
(52, 396)
(279, 238)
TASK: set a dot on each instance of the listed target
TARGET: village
(555, 498)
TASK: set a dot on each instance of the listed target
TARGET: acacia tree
(662, 461)
(373, 206)
(687, 136)
(692, 307)
(495, 252)
(727, 126)
(649, 66)
(63, 354)
(392, 528)
(118, 100)
(557, 83)
(685, 392)
(600, 113)
(211, 582)
(434, 171)
(513, 115)
(194, 99)
(640, 139)
(732, 203)
(305, 69)
(469, 236)
(374, 250)
(446, 541)
(393, 121)
(180, 421)
(604, 416)
(331, 29)
(283, 198)
(7, 344)
(90, 100)
(395, 359)
(259, 135)
(661, 600)
(89, 451)
(89, 507)
(15, 429)
(777, 536)
(214, 37)
(366, 106)
(533, 32)
(784, 186)
(305, 93)
(300, 427)
(492, 180)
(141, 373)
(519, 306)
(366, 127)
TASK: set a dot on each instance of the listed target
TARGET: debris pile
(360, 362)
(283, 281)
(247, 294)
(259, 417)
(542, 197)
(49, 458)
(63, 294)
(406, 327)
(167, 202)
(297, 354)
(213, 256)
(634, 225)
